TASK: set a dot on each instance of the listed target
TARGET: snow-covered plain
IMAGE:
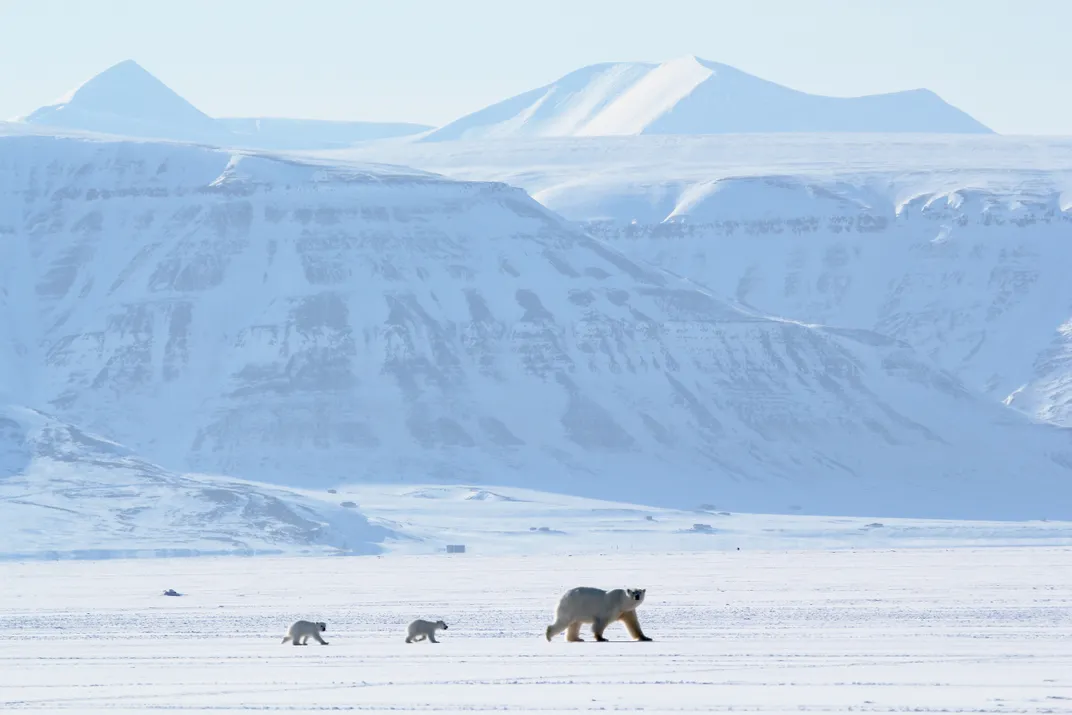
(934, 631)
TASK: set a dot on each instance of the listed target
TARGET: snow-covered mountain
(66, 493)
(316, 323)
(126, 100)
(956, 245)
(689, 95)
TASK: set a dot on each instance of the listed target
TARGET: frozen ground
(951, 631)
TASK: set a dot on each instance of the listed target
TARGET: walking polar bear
(300, 632)
(600, 608)
(419, 630)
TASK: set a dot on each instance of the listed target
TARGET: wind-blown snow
(689, 95)
(310, 325)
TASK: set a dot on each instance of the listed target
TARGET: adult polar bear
(585, 604)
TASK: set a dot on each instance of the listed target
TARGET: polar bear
(600, 608)
(419, 630)
(300, 632)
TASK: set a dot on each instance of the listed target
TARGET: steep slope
(68, 494)
(126, 100)
(694, 96)
(313, 324)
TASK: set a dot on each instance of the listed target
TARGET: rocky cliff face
(309, 324)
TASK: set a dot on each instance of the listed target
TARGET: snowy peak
(690, 95)
(126, 99)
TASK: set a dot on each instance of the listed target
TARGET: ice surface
(689, 95)
(967, 631)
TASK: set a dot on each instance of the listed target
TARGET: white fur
(585, 604)
(420, 629)
(300, 632)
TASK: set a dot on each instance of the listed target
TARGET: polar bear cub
(419, 630)
(300, 632)
(600, 608)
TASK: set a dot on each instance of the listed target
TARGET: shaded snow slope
(126, 100)
(316, 324)
(689, 95)
(65, 493)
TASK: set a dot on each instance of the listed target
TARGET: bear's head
(323, 626)
(636, 595)
(441, 624)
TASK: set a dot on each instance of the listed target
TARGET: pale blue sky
(1007, 62)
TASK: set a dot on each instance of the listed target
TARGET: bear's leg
(431, 638)
(629, 618)
(319, 640)
(409, 639)
(573, 633)
(557, 627)
(598, 626)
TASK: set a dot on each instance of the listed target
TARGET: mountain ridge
(689, 96)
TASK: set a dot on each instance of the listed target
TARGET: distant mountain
(694, 96)
(315, 324)
(72, 494)
(126, 100)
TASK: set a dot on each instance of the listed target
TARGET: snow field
(942, 630)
